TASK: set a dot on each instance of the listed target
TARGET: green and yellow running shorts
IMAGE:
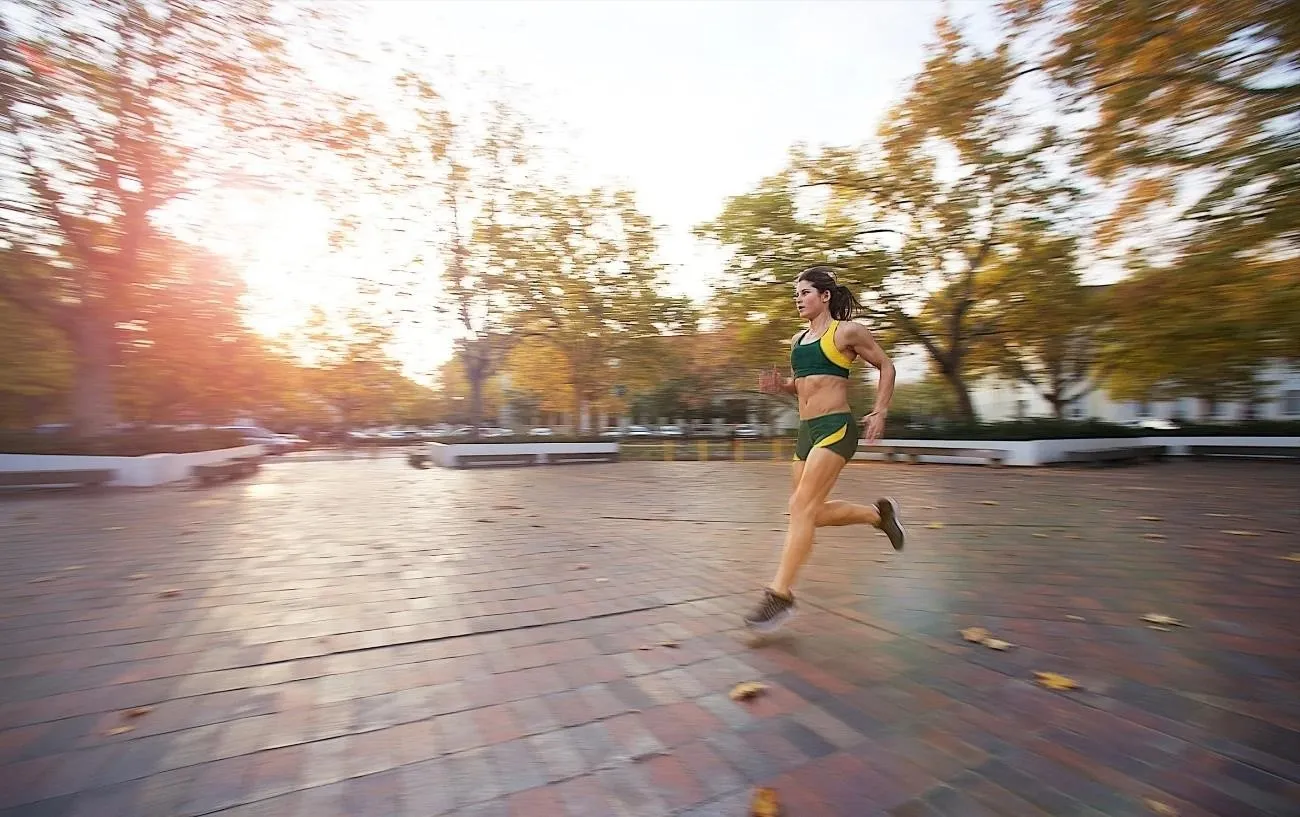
(838, 432)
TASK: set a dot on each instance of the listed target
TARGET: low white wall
(1020, 452)
(133, 472)
(1042, 452)
(445, 454)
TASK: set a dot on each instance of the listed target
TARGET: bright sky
(685, 102)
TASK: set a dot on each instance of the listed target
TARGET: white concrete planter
(1043, 452)
(134, 472)
(460, 455)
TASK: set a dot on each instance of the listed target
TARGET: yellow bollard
(703, 446)
(776, 449)
(740, 450)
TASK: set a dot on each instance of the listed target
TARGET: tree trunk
(965, 406)
(92, 391)
(475, 398)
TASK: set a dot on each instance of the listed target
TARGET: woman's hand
(771, 381)
(875, 425)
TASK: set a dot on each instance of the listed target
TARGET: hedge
(124, 444)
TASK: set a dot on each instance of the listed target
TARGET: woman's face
(809, 300)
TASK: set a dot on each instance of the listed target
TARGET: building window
(1291, 403)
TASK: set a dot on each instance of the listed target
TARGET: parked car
(294, 442)
(746, 432)
(271, 442)
(638, 431)
(611, 431)
(671, 431)
(1156, 423)
(540, 431)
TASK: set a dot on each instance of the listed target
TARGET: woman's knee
(804, 503)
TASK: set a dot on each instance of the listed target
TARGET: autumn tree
(1044, 322)
(579, 274)
(109, 113)
(913, 220)
(1190, 108)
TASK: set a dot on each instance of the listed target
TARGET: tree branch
(1292, 89)
(914, 329)
(8, 97)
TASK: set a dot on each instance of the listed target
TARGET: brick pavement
(359, 638)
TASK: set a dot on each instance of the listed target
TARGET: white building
(998, 400)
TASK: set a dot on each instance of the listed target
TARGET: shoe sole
(774, 623)
(896, 523)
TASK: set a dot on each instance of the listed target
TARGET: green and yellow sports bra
(821, 357)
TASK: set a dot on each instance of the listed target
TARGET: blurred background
(344, 224)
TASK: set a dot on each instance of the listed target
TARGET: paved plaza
(358, 638)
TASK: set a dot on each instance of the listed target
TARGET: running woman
(820, 359)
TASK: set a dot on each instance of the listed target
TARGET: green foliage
(578, 275)
(1044, 321)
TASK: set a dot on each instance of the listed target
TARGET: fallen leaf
(1294, 557)
(169, 594)
(672, 645)
(115, 527)
(1153, 536)
(137, 576)
(645, 647)
(746, 690)
(989, 502)
(75, 567)
(997, 644)
(119, 730)
(507, 508)
(1220, 515)
(1073, 536)
(581, 567)
(139, 711)
(1158, 627)
(975, 634)
(1040, 536)
(1161, 618)
(935, 526)
(1150, 518)
(765, 804)
(1163, 809)
(1240, 532)
(40, 579)
(602, 580)
(1052, 680)
(1076, 618)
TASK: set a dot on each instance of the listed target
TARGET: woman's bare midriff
(821, 394)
